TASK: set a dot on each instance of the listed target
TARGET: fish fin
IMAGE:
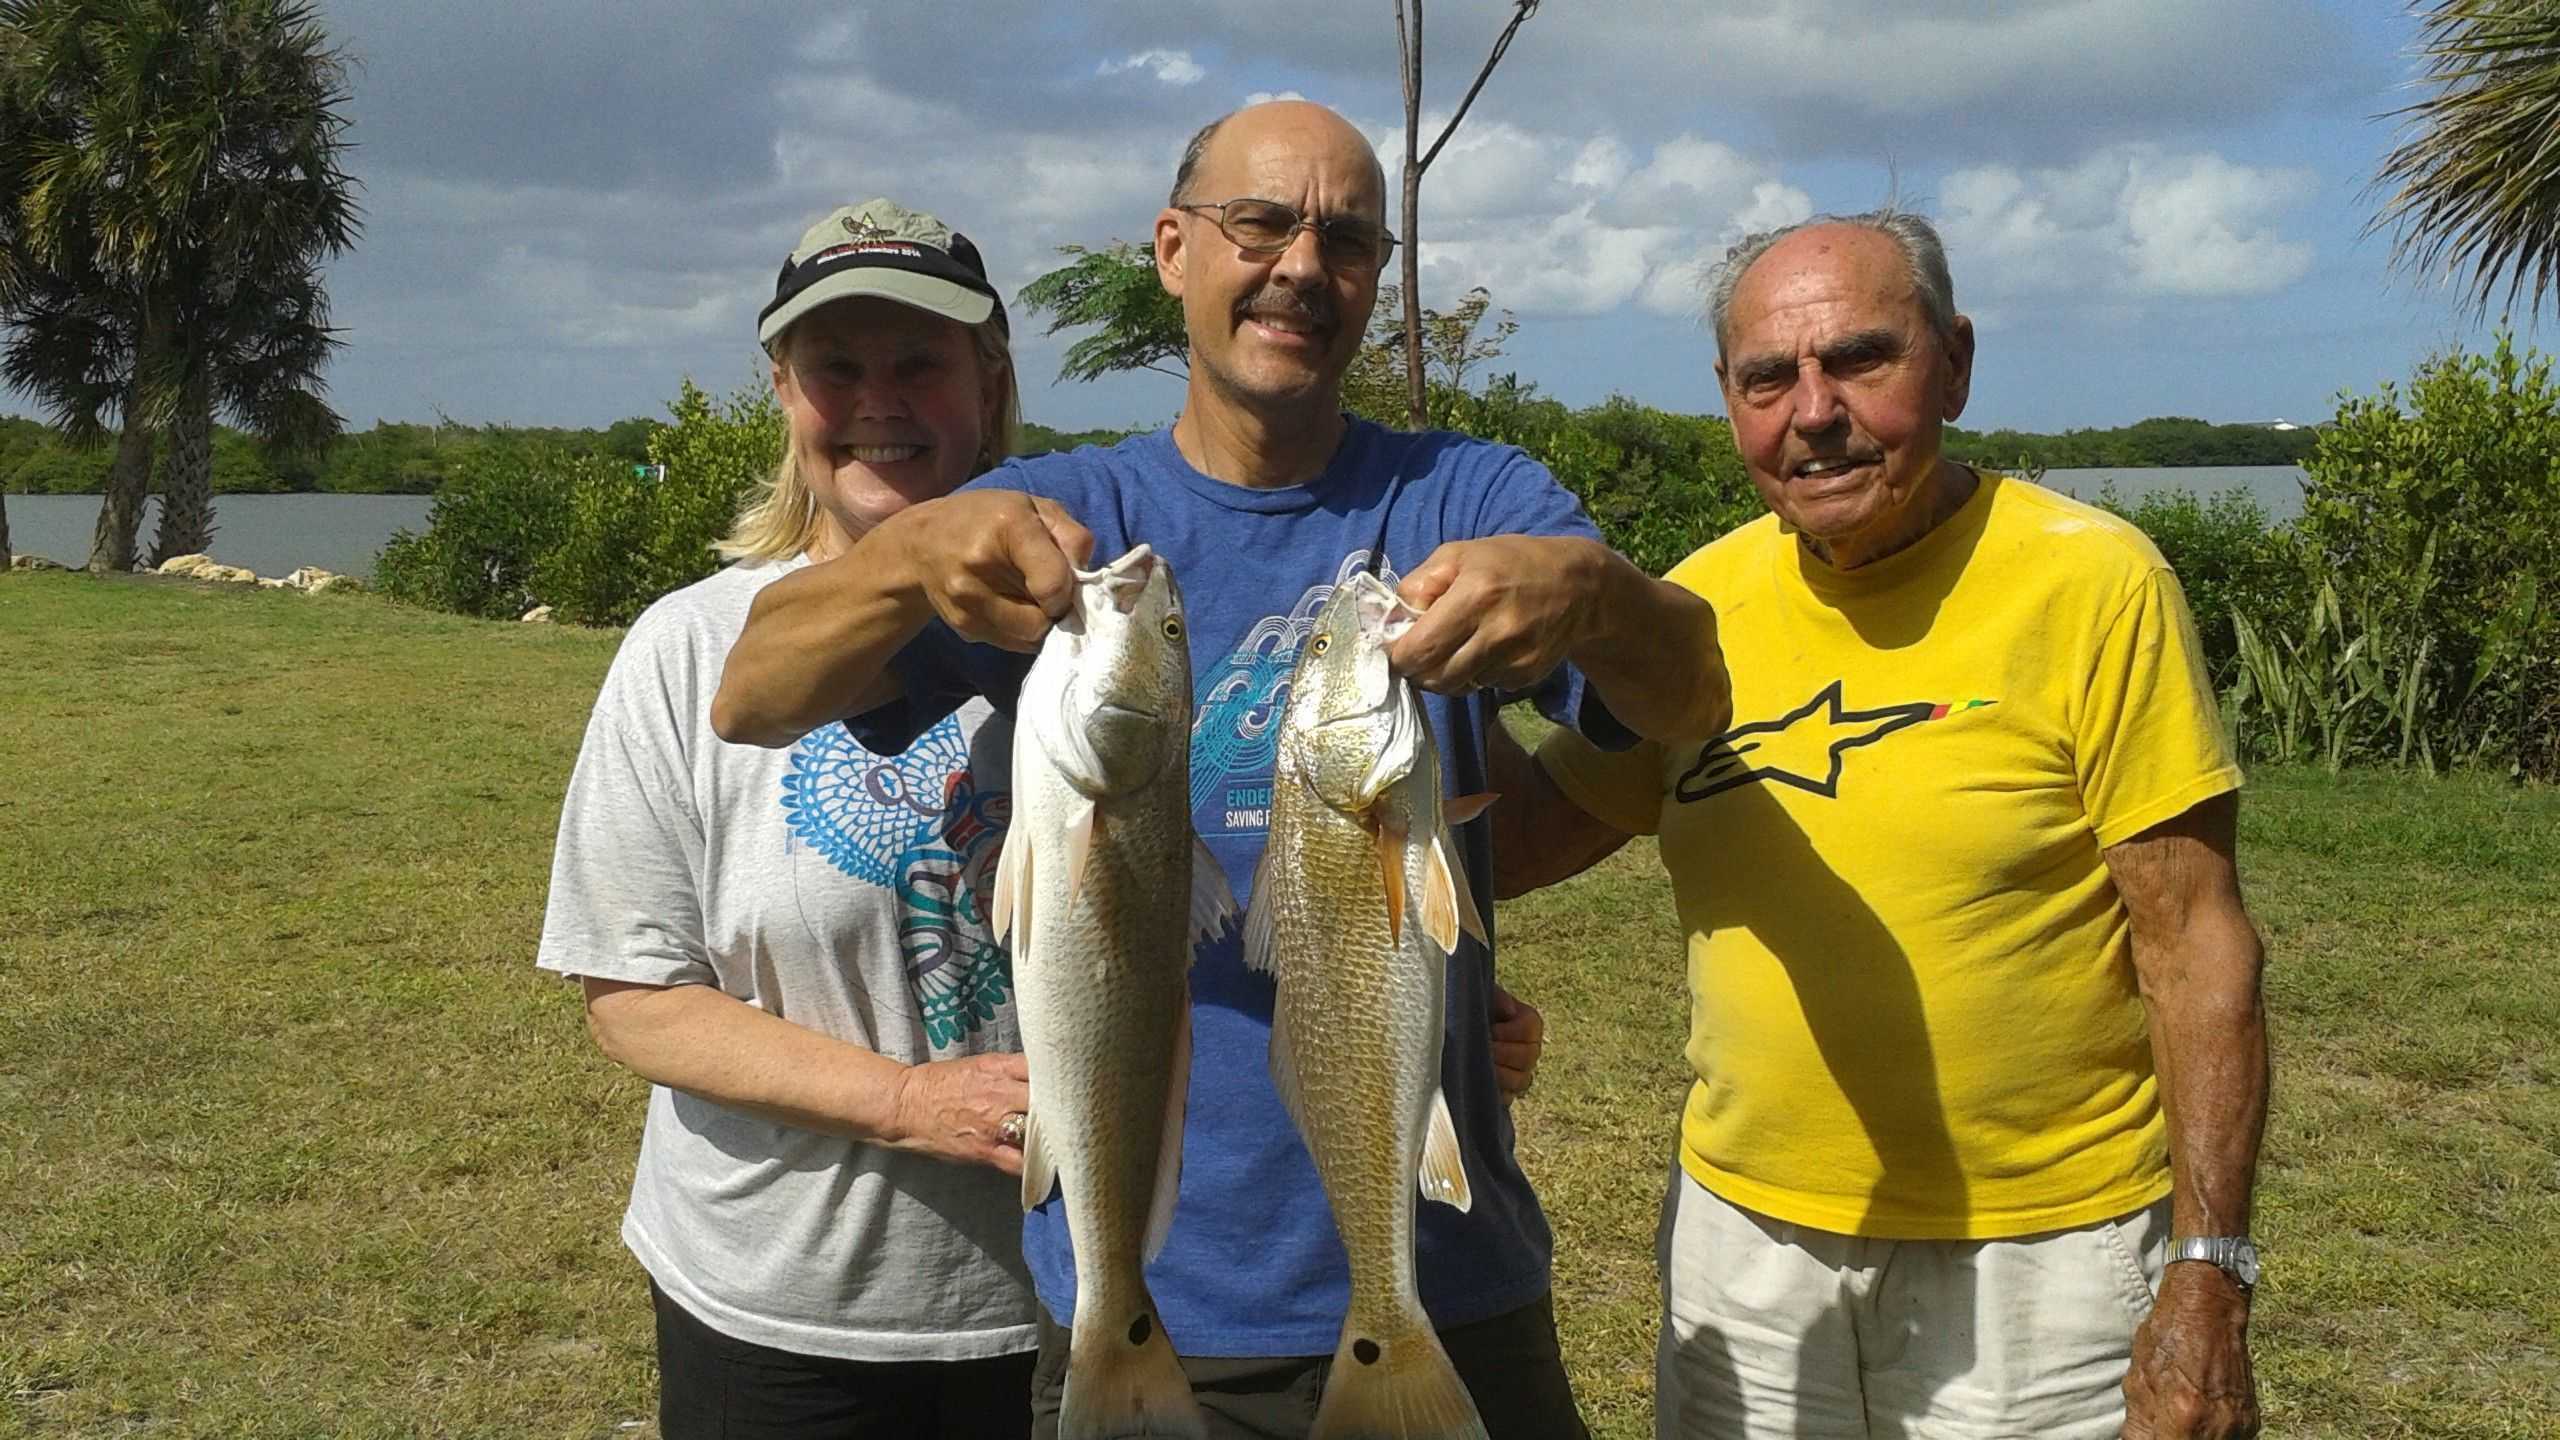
(1084, 826)
(1213, 903)
(1039, 1171)
(1400, 1384)
(1284, 1068)
(1464, 808)
(1169, 1148)
(1462, 896)
(1440, 896)
(1444, 1168)
(1011, 922)
(1261, 925)
(1123, 1379)
(1390, 835)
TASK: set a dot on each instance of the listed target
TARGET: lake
(2276, 488)
(271, 534)
(274, 534)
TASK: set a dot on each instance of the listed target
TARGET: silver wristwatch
(2233, 1255)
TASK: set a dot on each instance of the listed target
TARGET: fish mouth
(1114, 710)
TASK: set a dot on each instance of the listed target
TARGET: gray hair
(1912, 234)
(1191, 154)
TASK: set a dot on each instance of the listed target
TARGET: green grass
(295, 1142)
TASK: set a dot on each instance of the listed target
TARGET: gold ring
(1010, 1132)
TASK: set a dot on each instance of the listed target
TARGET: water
(274, 534)
(271, 534)
(2276, 488)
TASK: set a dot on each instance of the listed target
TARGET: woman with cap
(792, 944)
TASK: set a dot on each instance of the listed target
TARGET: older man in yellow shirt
(1975, 1004)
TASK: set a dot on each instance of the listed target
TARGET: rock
(267, 582)
(228, 574)
(307, 577)
(333, 584)
(35, 562)
(188, 565)
(538, 615)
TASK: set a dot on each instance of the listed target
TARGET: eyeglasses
(1267, 227)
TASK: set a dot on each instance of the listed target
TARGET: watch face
(2245, 1263)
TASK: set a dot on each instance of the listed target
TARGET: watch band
(2234, 1255)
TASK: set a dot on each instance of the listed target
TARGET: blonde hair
(781, 519)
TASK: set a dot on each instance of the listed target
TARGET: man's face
(1839, 387)
(1274, 330)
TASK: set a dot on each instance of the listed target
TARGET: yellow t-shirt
(1913, 1011)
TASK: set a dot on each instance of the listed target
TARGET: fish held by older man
(1358, 904)
(1100, 891)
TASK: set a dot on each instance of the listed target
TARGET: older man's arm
(2199, 959)
(1506, 610)
(1540, 836)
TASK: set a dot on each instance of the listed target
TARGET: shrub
(496, 515)
(636, 533)
(2433, 532)
(522, 523)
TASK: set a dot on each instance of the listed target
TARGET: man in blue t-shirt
(1263, 495)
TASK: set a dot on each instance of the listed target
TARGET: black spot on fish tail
(1365, 1351)
(1141, 1328)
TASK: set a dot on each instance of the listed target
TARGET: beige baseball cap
(883, 249)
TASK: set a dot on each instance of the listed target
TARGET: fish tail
(1123, 1380)
(1394, 1387)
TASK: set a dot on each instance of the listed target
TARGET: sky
(2151, 206)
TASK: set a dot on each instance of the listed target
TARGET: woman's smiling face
(887, 405)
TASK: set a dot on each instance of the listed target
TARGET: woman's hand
(956, 1109)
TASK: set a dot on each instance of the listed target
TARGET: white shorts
(1773, 1331)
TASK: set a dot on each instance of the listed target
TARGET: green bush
(489, 525)
(2430, 537)
(595, 536)
(636, 533)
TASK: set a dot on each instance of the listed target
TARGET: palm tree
(2475, 179)
(174, 166)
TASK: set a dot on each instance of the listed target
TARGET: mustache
(1280, 302)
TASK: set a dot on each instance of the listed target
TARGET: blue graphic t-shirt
(1253, 1265)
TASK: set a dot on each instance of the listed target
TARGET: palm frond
(2474, 182)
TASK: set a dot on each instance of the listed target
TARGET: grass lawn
(295, 1142)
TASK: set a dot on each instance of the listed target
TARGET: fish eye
(1319, 645)
(1173, 627)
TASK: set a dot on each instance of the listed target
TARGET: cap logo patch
(867, 247)
(861, 229)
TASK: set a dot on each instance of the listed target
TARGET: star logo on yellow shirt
(1804, 747)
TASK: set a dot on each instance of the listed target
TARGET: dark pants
(1510, 1363)
(714, 1387)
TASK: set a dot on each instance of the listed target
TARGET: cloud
(1173, 67)
(1560, 224)
(2128, 222)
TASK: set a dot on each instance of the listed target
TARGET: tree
(1138, 323)
(169, 173)
(1409, 53)
(1452, 348)
(2475, 179)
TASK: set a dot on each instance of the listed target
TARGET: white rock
(538, 615)
(330, 584)
(307, 576)
(191, 565)
(268, 582)
(228, 574)
(35, 562)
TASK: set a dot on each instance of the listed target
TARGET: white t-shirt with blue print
(841, 890)
(1253, 1266)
